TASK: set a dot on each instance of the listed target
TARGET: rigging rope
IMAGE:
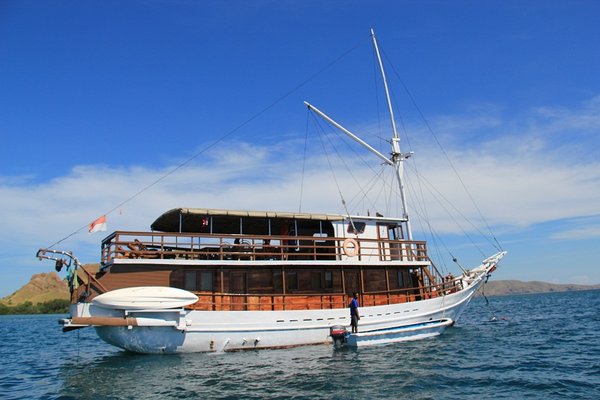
(441, 195)
(303, 165)
(426, 122)
(487, 302)
(321, 133)
(335, 178)
(424, 214)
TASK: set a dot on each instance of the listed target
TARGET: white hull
(179, 330)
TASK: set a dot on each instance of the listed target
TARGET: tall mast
(385, 86)
(397, 157)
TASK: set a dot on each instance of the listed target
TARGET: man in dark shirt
(354, 316)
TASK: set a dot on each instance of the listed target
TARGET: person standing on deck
(354, 315)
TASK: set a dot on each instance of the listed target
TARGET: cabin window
(190, 280)
(401, 283)
(315, 280)
(206, 281)
(328, 280)
(355, 227)
(195, 280)
(395, 232)
(291, 280)
(277, 282)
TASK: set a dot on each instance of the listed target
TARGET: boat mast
(397, 156)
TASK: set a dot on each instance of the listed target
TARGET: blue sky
(100, 99)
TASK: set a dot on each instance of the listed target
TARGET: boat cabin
(266, 260)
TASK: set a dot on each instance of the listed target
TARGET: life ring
(350, 247)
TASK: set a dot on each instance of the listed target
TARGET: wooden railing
(87, 285)
(208, 301)
(149, 245)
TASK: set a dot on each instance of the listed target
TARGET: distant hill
(41, 288)
(497, 288)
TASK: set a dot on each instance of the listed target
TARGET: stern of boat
(139, 319)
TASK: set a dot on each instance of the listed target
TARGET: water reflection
(319, 371)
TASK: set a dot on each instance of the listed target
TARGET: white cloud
(585, 232)
(527, 170)
(561, 119)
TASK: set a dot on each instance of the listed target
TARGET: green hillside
(41, 288)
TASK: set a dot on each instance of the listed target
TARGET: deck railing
(197, 246)
(208, 301)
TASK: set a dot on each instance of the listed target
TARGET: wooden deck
(323, 284)
(278, 302)
(147, 245)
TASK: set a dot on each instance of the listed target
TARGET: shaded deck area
(198, 246)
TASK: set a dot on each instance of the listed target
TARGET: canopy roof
(190, 219)
(170, 220)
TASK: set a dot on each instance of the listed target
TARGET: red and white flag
(98, 225)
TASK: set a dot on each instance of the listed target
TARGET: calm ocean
(542, 346)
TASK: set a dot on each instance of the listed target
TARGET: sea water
(540, 346)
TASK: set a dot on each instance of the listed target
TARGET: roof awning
(194, 219)
(171, 220)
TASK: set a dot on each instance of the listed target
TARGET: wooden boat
(219, 280)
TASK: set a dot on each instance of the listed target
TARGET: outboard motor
(338, 334)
